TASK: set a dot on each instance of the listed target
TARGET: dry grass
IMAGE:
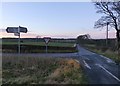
(67, 73)
(28, 70)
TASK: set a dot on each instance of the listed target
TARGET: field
(99, 46)
(33, 46)
(58, 44)
(38, 70)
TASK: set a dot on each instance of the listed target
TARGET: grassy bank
(28, 70)
(103, 51)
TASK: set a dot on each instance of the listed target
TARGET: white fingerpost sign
(16, 34)
(16, 31)
(46, 39)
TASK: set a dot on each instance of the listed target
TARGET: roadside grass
(105, 52)
(39, 70)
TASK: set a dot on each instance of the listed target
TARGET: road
(98, 69)
(67, 55)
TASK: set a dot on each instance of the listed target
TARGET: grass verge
(105, 52)
(28, 70)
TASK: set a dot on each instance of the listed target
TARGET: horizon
(51, 38)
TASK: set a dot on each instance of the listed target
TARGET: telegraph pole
(107, 34)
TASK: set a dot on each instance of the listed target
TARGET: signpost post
(47, 39)
(16, 31)
(19, 40)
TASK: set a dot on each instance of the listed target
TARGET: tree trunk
(118, 38)
(118, 44)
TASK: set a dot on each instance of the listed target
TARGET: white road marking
(77, 61)
(86, 64)
(108, 60)
(109, 72)
(93, 53)
(87, 58)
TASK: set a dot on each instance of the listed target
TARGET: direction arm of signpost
(16, 31)
(23, 29)
(12, 29)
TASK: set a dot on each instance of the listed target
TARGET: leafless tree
(111, 15)
(84, 37)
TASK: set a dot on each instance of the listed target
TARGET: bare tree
(111, 11)
(84, 37)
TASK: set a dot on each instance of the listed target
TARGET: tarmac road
(98, 69)
(42, 54)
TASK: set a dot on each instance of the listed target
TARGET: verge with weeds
(34, 70)
(104, 51)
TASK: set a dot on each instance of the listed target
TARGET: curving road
(67, 55)
(98, 69)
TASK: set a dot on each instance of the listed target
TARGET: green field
(39, 70)
(58, 44)
(32, 46)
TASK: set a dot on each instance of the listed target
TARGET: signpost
(47, 39)
(16, 31)
(16, 34)
(23, 29)
(12, 29)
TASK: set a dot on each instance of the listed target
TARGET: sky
(53, 19)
